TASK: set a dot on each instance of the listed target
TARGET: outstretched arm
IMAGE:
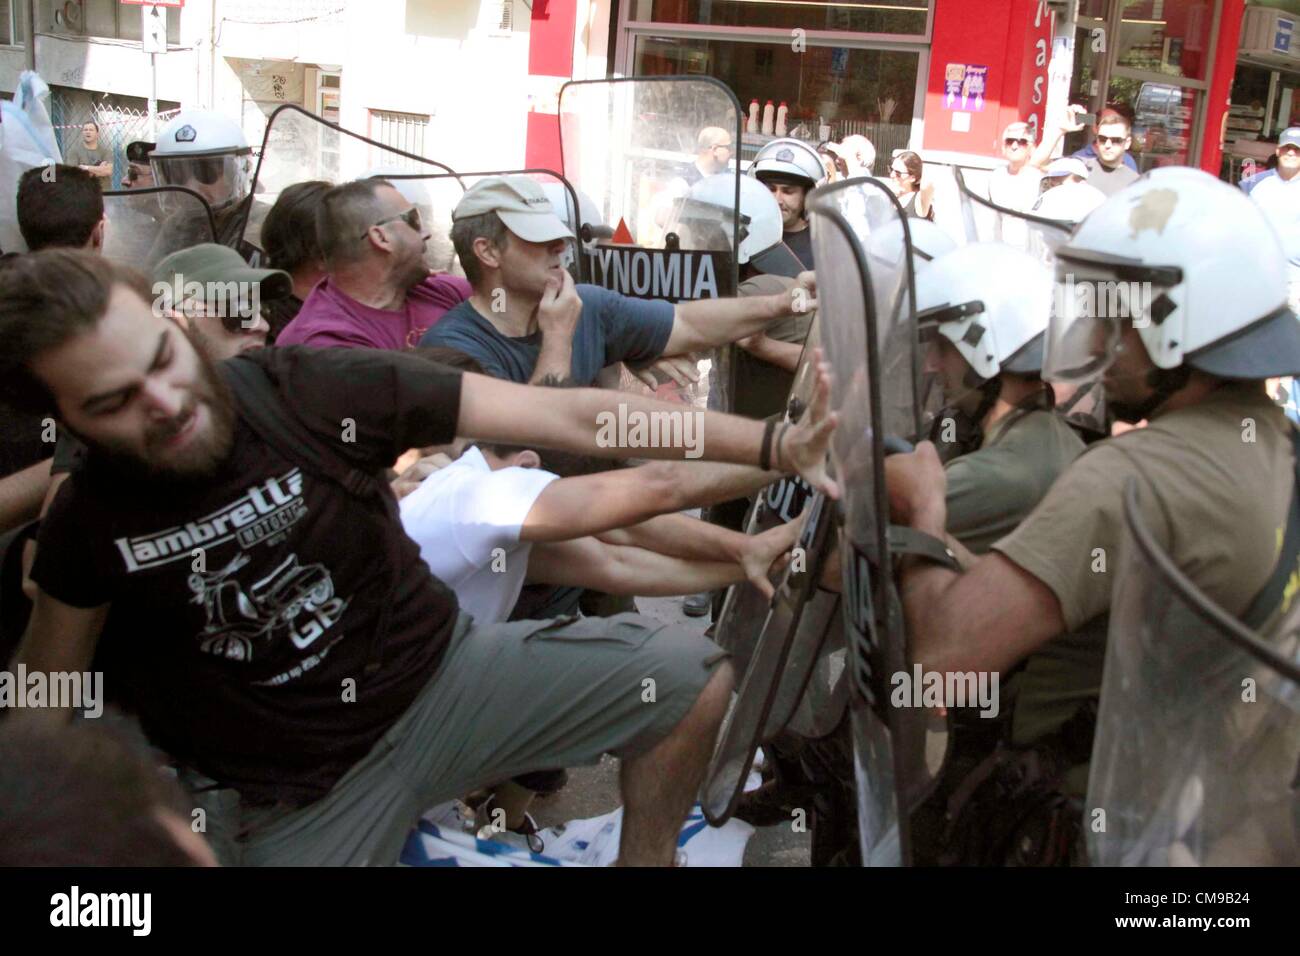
(617, 569)
(706, 323)
(586, 421)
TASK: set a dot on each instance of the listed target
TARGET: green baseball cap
(520, 202)
(209, 262)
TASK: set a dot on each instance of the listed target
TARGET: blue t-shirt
(612, 328)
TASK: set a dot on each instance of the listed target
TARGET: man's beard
(196, 464)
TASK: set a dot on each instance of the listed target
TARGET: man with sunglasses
(1016, 185)
(221, 297)
(378, 291)
(1110, 167)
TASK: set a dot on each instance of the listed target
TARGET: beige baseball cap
(520, 202)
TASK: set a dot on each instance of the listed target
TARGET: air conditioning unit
(1269, 33)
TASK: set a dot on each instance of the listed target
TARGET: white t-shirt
(1280, 202)
(461, 515)
(1018, 192)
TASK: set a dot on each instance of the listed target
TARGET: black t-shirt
(240, 666)
(23, 440)
(800, 244)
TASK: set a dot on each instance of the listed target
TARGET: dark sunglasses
(1012, 141)
(411, 217)
(898, 172)
(1111, 140)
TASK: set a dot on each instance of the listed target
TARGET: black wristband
(765, 451)
(776, 445)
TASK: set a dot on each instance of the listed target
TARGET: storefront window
(830, 92)
(879, 16)
(1162, 116)
(1166, 36)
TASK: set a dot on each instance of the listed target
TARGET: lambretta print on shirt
(243, 621)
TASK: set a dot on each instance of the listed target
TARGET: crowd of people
(323, 522)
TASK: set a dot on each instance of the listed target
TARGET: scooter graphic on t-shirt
(239, 620)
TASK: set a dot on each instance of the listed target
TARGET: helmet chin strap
(1165, 382)
(969, 425)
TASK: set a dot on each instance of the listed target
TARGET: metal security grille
(404, 131)
(121, 119)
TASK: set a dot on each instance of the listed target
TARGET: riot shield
(632, 145)
(985, 221)
(143, 226)
(880, 394)
(744, 609)
(300, 147)
(794, 672)
(1197, 751)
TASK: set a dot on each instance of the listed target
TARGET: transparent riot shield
(794, 677)
(436, 196)
(633, 145)
(744, 609)
(985, 221)
(143, 226)
(881, 395)
(300, 147)
(1196, 759)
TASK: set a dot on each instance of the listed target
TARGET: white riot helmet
(788, 160)
(1195, 265)
(992, 302)
(207, 152)
(761, 242)
(929, 242)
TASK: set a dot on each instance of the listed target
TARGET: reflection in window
(1162, 120)
(878, 16)
(1165, 36)
(831, 92)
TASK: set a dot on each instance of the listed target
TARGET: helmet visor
(220, 179)
(1089, 308)
(703, 225)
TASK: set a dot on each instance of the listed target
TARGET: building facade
(474, 83)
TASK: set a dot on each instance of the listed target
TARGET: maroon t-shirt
(330, 318)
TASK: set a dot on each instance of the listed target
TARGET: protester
(220, 296)
(1015, 185)
(1278, 196)
(858, 154)
(89, 794)
(905, 178)
(451, 704)
(60, 206)
(1110, 167)
(377, 291)
(91, 155)
(289, 240)
(527, 321)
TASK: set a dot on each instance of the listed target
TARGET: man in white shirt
(1279, 197)
(494, 519)
(1015, 185)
